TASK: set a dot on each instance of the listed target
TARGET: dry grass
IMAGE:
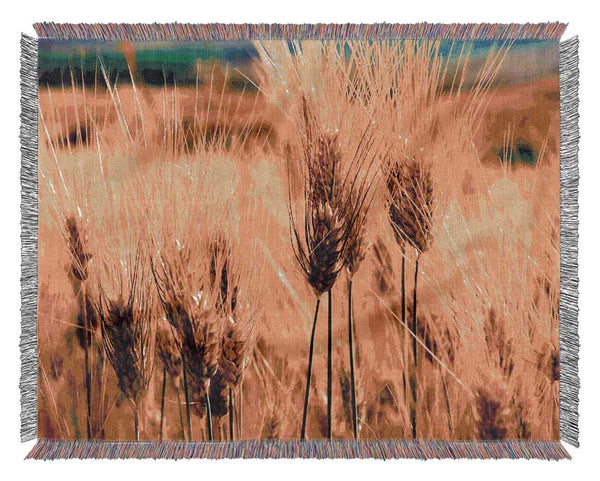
(172, 208)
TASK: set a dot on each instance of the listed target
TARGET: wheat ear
(410, 210)
(128, 334)
(79, 275)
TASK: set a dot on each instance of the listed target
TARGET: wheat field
(330, 240)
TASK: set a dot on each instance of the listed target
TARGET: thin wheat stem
(88, 379)
(329, 362)
(239, 416)
(136, 421)
(448, 408)
(403, 287)
(162, 402)
(187, 400)
(413, 382)
(403, 317)
(309, 371)
(101, 398)
(351, 349)
(209, 426)
(181, 422)
(230, 414)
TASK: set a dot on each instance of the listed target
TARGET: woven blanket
(328, 241)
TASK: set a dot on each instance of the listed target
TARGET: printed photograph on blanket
(298, 240)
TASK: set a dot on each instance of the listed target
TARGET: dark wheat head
(128, 335)
(411, 203)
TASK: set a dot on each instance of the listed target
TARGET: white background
(17, 16)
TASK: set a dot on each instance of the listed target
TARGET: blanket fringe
(49, 449)
(568, 309)
(224, 31)
(569, 207)
(29, 236)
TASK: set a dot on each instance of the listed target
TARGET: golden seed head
(411, 203)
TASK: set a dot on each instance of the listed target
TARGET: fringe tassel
(48, 449)
(569, 208)
(223, 31)
(29, 236)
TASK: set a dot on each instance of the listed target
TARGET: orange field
(161, 203)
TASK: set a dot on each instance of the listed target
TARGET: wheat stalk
(411, 203)
(355, 254)
(410, 211)
(232, 363)
(335, 144)
(168, 352)
(225, 277)
(321, 258)
(128, 334)
(192, 315)
(223, 272)
(321, 254)
(78, 274)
